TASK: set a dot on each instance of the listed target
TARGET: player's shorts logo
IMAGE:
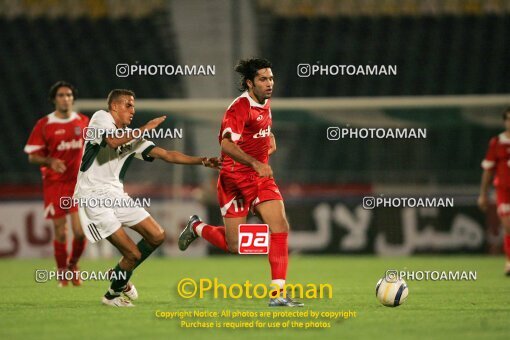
(253, 239)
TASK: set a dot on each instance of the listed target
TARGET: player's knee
(60, 234)
(281, 227)
(284, 228)
(158, 238)
(79, 235)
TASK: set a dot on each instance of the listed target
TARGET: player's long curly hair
(248, 68)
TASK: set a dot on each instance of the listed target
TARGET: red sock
(279, 257)
(506, 243)
(213, 234)
(60, 251)
(78, 247)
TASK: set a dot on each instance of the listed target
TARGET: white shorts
(99, 222)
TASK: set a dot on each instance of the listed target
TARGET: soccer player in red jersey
(246, 179)
(56, 145)
(497, 164)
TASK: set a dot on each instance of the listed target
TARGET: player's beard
(262, 96)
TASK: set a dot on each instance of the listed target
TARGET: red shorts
(503, 201)
(240, 192)
(53, 192)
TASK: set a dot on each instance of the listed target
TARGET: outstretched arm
(115, 142)
(176, 157)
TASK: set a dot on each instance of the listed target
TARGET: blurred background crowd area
(451, 56)
(441, 48)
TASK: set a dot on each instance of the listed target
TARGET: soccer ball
(391, 292)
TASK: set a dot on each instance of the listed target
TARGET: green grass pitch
(439, 310)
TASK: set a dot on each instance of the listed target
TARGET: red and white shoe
(130, 291)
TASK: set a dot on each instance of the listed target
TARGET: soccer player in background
(56, 145)
(105, 161)
(246, 179)
(497, 164)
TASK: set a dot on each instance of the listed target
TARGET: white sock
(198, 228)
(279, 282)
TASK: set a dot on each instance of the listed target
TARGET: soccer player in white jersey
(104, 163)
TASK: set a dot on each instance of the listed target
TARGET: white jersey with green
(101, 176)
(103, 168)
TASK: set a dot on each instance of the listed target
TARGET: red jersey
(249, 124)
(498, 158)
(59, 138)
